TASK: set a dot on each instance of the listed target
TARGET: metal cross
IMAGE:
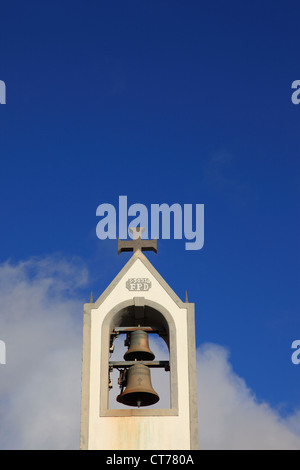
(137, 243)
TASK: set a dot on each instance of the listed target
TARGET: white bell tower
(138, 299)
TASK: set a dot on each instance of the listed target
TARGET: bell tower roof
(147, 272)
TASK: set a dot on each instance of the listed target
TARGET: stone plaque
(138, 284)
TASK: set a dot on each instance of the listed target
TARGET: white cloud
(41, 324)
(230, 417)
(40, 383)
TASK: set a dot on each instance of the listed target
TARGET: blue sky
(165, 102)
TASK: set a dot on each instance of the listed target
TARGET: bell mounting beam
(137, 243)
(130, 329)
(122, 364)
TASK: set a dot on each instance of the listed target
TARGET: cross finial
(136, 232)
(137, 243)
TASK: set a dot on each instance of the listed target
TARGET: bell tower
(137, 306)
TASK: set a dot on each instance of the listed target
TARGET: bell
(139, 347)
(139, 391)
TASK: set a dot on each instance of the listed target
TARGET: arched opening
(118, 325)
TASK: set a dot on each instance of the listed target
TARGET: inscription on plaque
(138, 284)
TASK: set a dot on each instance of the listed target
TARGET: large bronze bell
(139, 347)
(139, 391)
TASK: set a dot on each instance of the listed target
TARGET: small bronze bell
(139, 347)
